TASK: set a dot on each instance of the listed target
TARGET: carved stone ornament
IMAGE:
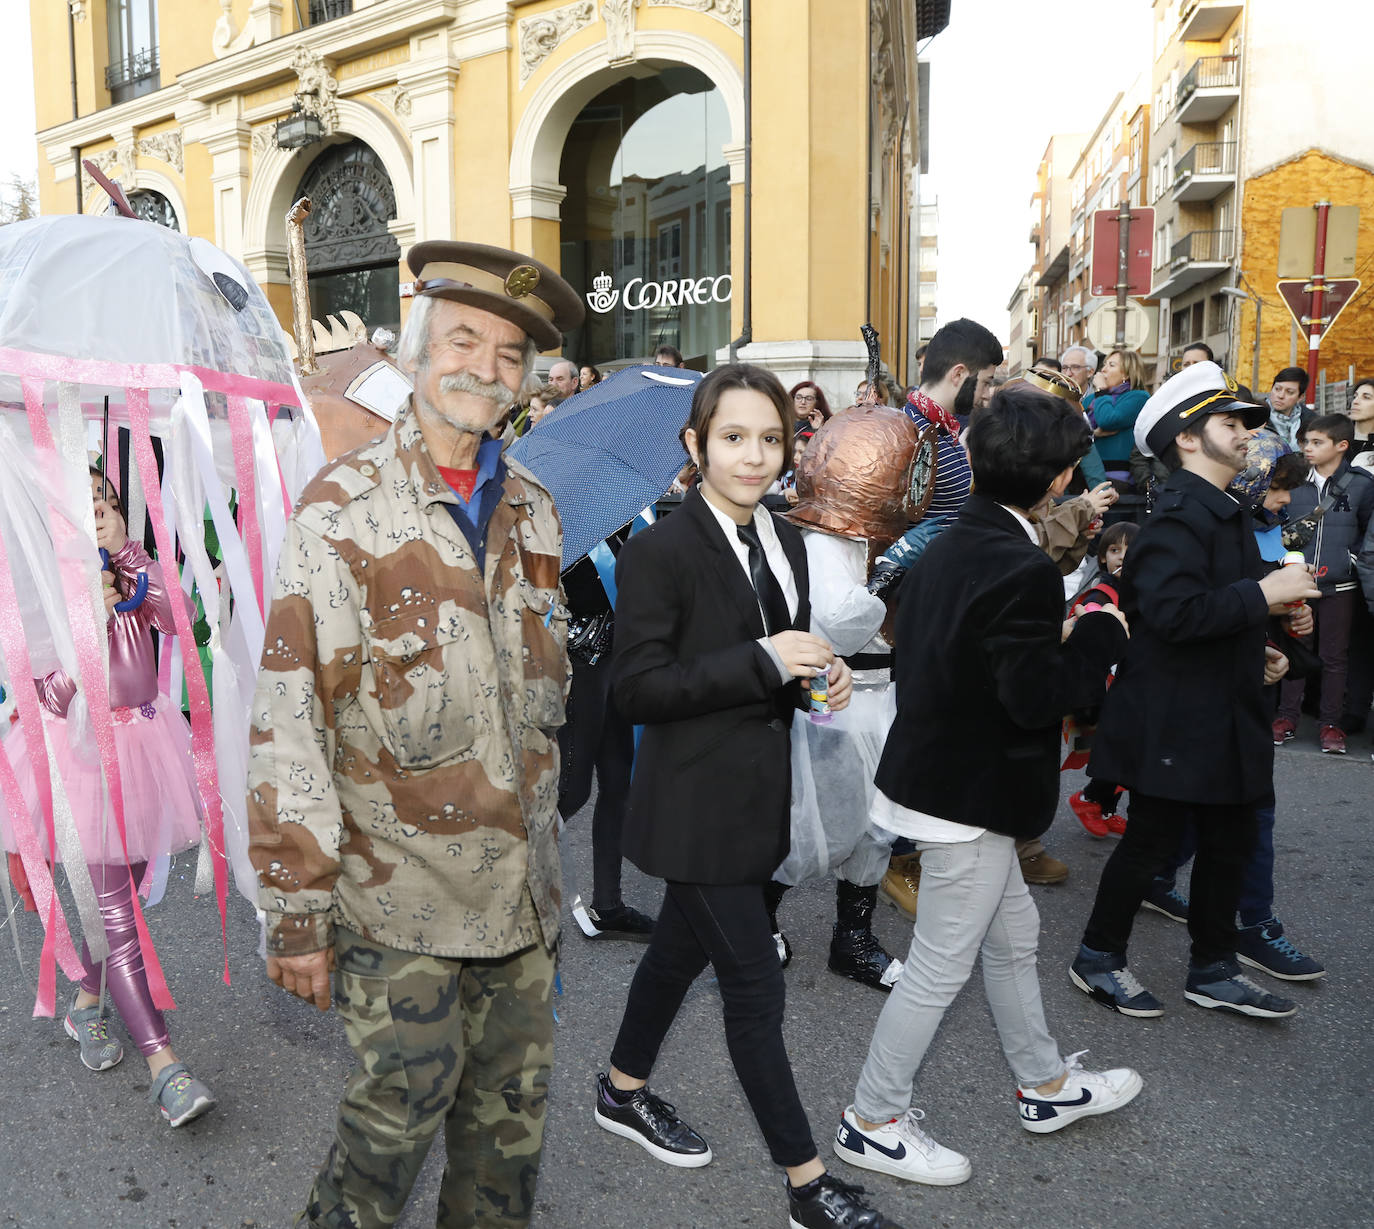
(540, 36)
(317, 90)
(77, 8)
(397, 99)
(619, 16)
(227, 37)
(105, 162)
(165, 147)
(731, 12)
(264, 138)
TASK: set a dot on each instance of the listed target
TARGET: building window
(133, 67)
(326, 10)
(154, 207)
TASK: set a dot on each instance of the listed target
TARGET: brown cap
(517, 288)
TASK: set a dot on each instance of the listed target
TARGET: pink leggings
(124, 975)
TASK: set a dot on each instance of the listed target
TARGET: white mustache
(464, 382)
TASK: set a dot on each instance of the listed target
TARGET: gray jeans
(972, 897)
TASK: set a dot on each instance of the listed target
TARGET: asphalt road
(1240, 1122)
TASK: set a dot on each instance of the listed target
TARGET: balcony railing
(1207, 158)
(1201, 247)
(327, 10)
(1210, 72)
(124, 76)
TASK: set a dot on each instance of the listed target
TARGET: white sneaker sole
(1074, 1112)
(1264, 968)
(1240, 1009)
(693, 1160)
(900, 1169)
(1148, 1013)
(201, 1105)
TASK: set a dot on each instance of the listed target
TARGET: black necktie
(775, 614)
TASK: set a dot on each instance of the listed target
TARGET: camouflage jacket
(403, 773)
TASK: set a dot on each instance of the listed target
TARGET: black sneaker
(622, 922)
(651, 1123)
(829, 1203)
(1223, 985)
(1103, 976)
(1163, 897)
(1265, 946)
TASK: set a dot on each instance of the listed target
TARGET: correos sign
(639, 295)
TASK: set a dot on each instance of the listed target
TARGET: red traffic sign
(1107, 252)
(1297, 293)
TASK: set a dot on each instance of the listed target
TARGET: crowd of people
(763, 697)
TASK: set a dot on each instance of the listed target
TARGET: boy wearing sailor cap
(1185, 727)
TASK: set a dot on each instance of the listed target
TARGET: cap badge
(521, 280)
(1229, 380)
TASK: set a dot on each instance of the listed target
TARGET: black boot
(772, 897)
(854, 949)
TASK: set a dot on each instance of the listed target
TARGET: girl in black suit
(710, 645)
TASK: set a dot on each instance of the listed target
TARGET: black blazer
(1187, 717)
(710, 797)
(983, 680)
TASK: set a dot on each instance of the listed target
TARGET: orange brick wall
(1310, 177)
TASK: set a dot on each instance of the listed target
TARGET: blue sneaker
(1164, 898)
(1103, 976)
(1265, 946)
(99, 1051)
(1224, 986)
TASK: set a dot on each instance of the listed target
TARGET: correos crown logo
(640, 295)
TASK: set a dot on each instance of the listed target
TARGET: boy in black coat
(986, 671)
(1185, 727)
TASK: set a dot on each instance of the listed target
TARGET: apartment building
(1049, 235)
(1253, 114)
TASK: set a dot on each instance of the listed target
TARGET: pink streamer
(86, 637)
(241, 434)
(57, 939)
(71, 370)
(202, 730)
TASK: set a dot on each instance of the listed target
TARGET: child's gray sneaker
(99, 1051)
(179, 1095)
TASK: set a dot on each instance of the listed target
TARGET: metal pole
(1123, 267)
(1254, 370)
(1314, 337)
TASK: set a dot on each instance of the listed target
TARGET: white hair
(412, 351)
(1089, 356)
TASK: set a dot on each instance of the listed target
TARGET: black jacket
(983, 680)
(710, 797)
(1186, 718)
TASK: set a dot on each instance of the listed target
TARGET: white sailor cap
(1203, 388)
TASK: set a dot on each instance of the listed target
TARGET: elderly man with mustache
(403, 773)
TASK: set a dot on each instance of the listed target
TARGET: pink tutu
(161, 804)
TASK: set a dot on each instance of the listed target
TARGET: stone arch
(572, 83)
(155, 181)
(277, 172)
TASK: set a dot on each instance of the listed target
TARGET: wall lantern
(302, 127)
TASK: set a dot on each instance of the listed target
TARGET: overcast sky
(1005, 76)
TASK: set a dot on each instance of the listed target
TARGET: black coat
(983, 679)
(711, 793)
(1187, 718)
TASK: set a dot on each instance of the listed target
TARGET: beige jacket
(403, 771)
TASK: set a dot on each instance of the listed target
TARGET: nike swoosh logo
(897, 1154)
(1083, 1100)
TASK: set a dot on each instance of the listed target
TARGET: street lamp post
(1236, 292)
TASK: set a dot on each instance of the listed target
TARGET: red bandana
(933, 412)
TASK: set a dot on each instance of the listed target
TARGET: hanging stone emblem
(521, 280)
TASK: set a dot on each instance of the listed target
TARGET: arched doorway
(154, 207)
(350, 253)
(646, 221)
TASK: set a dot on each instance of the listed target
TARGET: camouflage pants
(466, 1045)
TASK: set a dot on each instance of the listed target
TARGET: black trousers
(596, 738)
(727, 926)
(1155, 829)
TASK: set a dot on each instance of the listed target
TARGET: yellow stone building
(706, 172)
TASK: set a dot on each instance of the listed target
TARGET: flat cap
(517, 288)
(1203, 388)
